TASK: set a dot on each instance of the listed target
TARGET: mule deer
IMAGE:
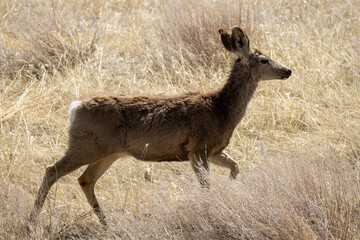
(195, 127)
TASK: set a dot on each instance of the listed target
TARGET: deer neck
(233, 98)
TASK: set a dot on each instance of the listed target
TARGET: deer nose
(288, 71)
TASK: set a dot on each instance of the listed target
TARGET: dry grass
(298, 145)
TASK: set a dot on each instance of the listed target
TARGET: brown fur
(193, 126)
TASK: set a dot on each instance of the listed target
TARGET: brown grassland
(298, 145)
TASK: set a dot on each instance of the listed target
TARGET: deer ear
(240, 42)
(226, 39)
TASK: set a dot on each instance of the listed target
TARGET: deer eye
(264, 61)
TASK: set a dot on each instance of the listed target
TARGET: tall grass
(298, 145)
(36, 43)
(300, 198)
(193, 43)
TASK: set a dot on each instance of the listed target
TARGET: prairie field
(298, 145)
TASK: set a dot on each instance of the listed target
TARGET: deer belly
(159, 151)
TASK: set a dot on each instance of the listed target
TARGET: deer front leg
(224, 160)
(200, 164)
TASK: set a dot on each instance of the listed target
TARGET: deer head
(262, 66)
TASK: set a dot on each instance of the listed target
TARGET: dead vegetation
(298, 145)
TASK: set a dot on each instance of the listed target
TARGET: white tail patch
(73, 107)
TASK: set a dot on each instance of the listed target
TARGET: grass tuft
(36, 43)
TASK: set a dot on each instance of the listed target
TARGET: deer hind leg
(200, 164)
(51, 176)
(81, 151)
(88, 180)
(64, 166)
(224, 160)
